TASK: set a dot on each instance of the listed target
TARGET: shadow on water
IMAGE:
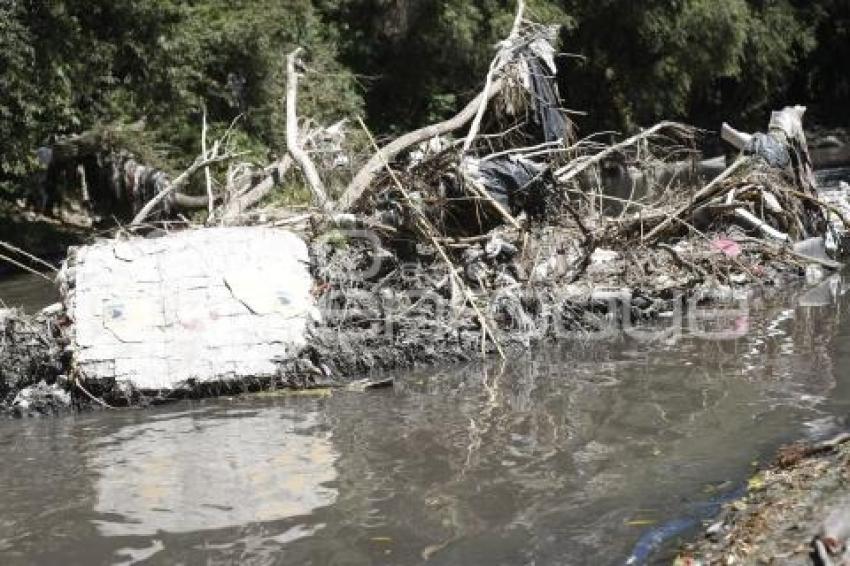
(585, 453)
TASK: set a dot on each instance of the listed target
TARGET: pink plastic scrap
(729, 248)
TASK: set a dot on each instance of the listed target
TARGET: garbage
(487, 232)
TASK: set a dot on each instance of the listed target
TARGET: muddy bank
(796, 512)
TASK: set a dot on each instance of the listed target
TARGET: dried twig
(682, 261)
(27, 255)
(704, 193)
(429, 231)
(86, 392)
(207, 177)
(24, 267)
(577, 166)
(181, 180)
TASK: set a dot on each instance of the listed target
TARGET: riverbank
(803, 498)
(427, 267)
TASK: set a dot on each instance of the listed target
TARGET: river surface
(604, 450)
(587, 453)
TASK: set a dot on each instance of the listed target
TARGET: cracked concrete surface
(206, 305)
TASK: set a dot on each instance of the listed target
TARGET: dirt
(786, 507)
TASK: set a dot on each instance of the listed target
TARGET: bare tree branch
(293, 145)
(386, 154)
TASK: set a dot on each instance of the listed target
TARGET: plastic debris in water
(729, 248)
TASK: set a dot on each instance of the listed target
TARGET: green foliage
(697, 59)
(69, 65)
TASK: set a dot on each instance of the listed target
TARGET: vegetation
(69, 65)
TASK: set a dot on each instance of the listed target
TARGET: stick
(27, 255)
(761, 225)
(314, 181)
(682, 261)
(495, 65)
(257, 193)
(24, 267)
(483, 194)
(835, 210)
(100, 402)
(429, 232)
(386, 154)
(702, 194)
(178, 182)
(207, 177)
(568, 172)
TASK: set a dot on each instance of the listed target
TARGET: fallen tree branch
(26, 268)
(207, 177)
(700, 196)
(495, 66)
(28, 255)
(761, 225)
(577, 166)
(682, 262)
(386, 154)
(257, 193)
(181, 180)
(97, 400)
(293, 145)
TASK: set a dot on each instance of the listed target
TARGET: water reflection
(567, 456)
(210, 471)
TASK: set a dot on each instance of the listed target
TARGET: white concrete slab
(210, 304)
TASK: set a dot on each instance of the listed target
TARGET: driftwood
(293, 144)
(251, 195)
(783, 147)
(701, 196)
(364, 177)
(200, 163)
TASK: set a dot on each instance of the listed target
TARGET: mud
(786, 508)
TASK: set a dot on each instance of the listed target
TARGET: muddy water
(29, 292)
(588, 453)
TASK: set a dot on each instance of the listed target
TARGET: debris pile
(31, 365)
(498, 228)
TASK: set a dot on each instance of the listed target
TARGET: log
(257, 193)
(386, 154)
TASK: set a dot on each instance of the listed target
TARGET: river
(600, 450)
(578, 454)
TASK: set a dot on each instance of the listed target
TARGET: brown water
(581, 454)
(29, 292)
